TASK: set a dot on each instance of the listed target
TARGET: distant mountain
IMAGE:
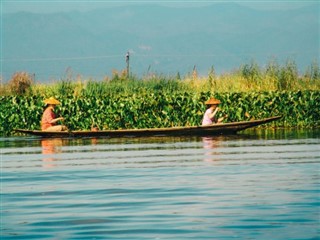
(164, 40)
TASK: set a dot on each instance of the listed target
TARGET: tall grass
(249, 77)
(233, 82)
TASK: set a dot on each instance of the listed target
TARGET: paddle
(94, 126)
(67, 126)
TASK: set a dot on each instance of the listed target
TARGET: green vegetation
(248, 93)
(161, 109)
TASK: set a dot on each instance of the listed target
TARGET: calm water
(257, 185)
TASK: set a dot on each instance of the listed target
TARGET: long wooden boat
(216, 129)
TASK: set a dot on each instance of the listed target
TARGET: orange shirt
(47, 117)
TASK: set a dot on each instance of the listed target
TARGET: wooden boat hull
(216, 129)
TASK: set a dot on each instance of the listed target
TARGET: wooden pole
(128, 64)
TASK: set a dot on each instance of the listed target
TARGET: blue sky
(49, 6)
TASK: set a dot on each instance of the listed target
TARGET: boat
(210, 130)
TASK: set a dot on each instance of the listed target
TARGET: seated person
(210, 114)
(49, 119)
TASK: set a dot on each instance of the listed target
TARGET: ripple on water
(161, 188)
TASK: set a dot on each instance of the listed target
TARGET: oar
(68, 128)
(93, 128)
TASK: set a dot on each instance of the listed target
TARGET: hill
(165, 40)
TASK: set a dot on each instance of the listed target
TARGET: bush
(20, 83)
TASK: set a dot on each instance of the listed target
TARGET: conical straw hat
(212, 101)
(52, 101)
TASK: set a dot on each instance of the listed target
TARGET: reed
(249, 77)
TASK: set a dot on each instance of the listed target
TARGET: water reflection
(211, 144)
(282, 133)
(94, 141)
(50, 147)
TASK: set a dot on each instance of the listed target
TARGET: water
(256, 185)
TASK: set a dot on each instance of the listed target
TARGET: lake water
(255, 185)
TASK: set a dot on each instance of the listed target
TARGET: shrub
(20, 82)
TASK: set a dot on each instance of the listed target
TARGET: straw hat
(52, 101)
(212, 101)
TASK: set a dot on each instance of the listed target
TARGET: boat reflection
(50, 147)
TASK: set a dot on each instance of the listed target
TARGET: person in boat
(209, 116)
(49, 119)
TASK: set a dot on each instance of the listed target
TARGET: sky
(51, 6)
